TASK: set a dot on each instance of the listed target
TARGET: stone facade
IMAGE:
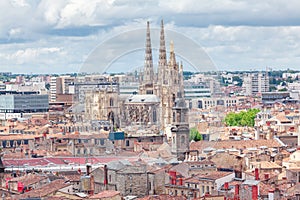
(180, 129)
(130, 179)
(103, 105)
(167, 83)
(141, 110)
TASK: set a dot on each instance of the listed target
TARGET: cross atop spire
(148, 65)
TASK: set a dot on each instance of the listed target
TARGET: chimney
(256, 174)
(88, 169)
(271, 195)
(173, 181)
(267, 176)
(236, 191)
(105, 176)
(226, 186)
(172, 175)
(298, 136)
(256, 133)
(254, 192)
(92, 184)
(180, 181)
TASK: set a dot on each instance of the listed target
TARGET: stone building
(141, 110)
(122, 176)
(167, 83)
(180, 129)
(103, 105)
(156, 96)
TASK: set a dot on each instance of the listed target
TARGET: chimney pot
(256, 174)
(254, 192)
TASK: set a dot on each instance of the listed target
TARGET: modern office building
(196, 90)
(23, 103)
(62, 85)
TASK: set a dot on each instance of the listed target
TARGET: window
(174, 116)
(154, 115)
(127, 143)
(182, 138)
(101, 141)
(111, 102)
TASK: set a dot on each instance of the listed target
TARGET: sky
(67, 36)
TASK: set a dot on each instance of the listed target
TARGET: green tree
(195, 135)
(242, 118)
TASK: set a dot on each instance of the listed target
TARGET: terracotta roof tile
(45, 190)
(105, 194)
(28, 179)
(213, 175)
(228, 144)
(163, 197)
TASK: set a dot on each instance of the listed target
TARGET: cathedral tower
(146, 86)
(180, 129)
(148, 66)
(167, 84)
(162, 62)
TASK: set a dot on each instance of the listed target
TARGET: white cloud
(234, 32)
(30, 55)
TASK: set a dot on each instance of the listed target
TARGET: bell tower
(146, 81)
(180, 129)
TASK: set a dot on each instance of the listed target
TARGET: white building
(254, 83)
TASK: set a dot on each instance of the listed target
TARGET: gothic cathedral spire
(162, 63)
(172, 61)
(148, 66)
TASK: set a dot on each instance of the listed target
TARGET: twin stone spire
(149, 74)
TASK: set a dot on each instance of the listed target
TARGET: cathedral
(167, 83)
(157, 93)
(159, 106)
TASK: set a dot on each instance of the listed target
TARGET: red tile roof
(105, 194)
(163, 197)
(28, 179)
(45, 190)
(228, 144)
